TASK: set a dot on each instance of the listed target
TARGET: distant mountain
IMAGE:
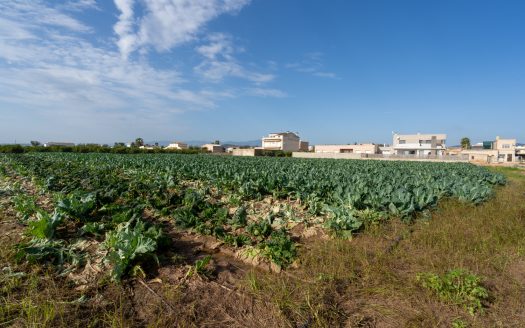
(250, 143)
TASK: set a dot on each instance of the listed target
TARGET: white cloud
(312, 63)
(219, 62)
(124, 27)
(79, 5)
(220, 44)
(49, 68)
(167, 23)
(325, 74)
(36, 13)
(263, 92)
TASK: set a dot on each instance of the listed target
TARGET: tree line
(118, 148)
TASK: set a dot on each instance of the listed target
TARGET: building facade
(177, 145)
(213, 148)
(506, 149)
(285, 141)
(497, 151)
(520, 153)
(419, 144)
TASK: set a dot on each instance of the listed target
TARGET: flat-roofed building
(386, 150)
(506, 149)
(419, 144)
(59, 144)
(177, 145)
(520, 153)
(355, 149)
(213, 148)
(304, 146)
(285, 141)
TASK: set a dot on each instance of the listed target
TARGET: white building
(419, 144)
(520, 153)
(213, 148)
(286, 141)
(60, 144)
(177, 145)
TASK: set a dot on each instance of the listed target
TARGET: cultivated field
(200, 240)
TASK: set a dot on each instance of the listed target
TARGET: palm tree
(465, 143)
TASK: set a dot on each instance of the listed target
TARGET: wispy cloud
(267, 93)
(59, 67)
(166, 23)
(312, 63)
(79, 5)
(52, 64)
(37, 14)
(219, 61)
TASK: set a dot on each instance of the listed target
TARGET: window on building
(402, 142)
(506, 146)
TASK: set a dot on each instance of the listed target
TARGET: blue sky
(336, 71)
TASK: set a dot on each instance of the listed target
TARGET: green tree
(35, 143)
(465, 143)
(139, 142)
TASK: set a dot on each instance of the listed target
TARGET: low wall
(381, 157)
(246, 152)
(327, 155)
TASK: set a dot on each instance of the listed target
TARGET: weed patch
(457, 287)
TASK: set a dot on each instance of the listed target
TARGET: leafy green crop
(341, 221)
(45, 250)
(45, 225)
(130, 242)
(260, 229)
(237, 240)
(109, 193)
(25, 205)
(78, 205)
(279, 248)
(239, 219)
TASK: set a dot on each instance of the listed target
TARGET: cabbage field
(118, 211)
